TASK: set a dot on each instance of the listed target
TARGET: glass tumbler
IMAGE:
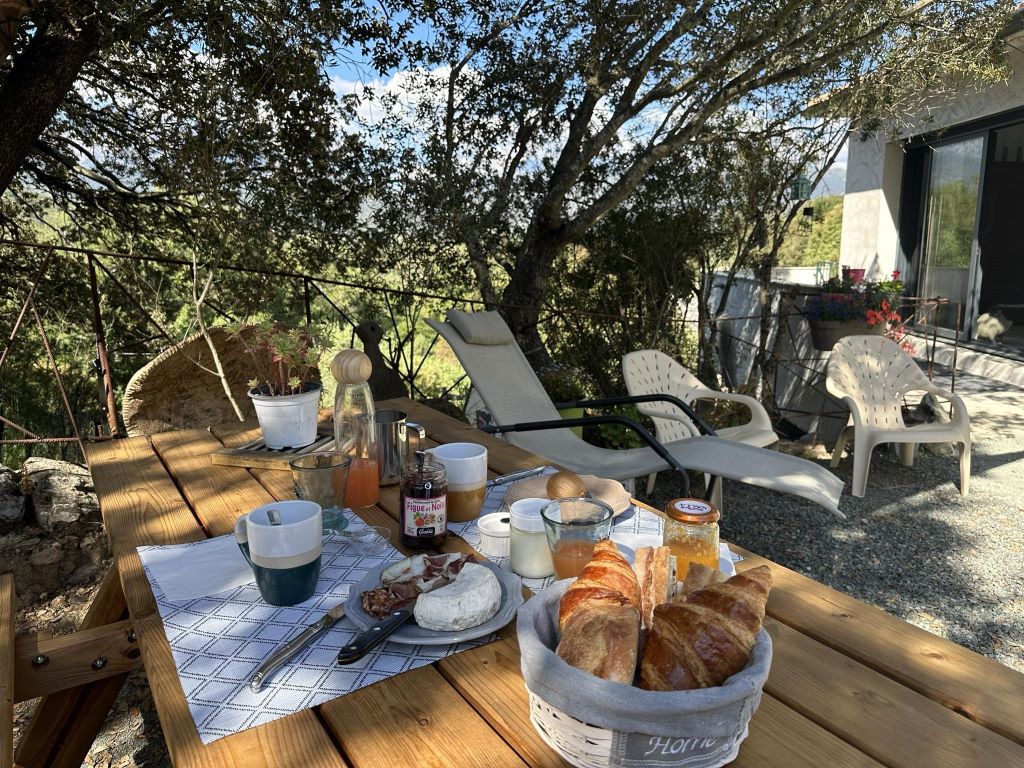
(322, 477)
(572, 527)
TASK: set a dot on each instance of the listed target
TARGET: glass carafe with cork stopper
(355, 432)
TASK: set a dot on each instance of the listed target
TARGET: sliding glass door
(951, 226)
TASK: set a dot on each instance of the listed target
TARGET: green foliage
(814, 239)
(284, 357)
(618, 436)
(953, 208)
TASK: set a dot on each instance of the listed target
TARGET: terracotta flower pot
(825, 333)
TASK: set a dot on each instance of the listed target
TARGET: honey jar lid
(692, 511)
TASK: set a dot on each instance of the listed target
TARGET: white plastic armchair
(650, 372)
(871, 375)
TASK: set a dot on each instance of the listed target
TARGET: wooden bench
(77, 676)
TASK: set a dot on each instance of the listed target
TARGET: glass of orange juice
(572, 527)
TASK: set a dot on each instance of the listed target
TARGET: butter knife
(511, 477)
(280, 657)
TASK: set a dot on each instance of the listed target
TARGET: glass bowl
(366, 542)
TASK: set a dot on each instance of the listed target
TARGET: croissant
(706, 638)
(608, 578)
(599, 616)
(698, 576)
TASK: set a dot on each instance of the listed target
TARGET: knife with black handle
(372, 637)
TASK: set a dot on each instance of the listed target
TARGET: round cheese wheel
(473, 598)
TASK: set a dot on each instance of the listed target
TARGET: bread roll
(705, 639)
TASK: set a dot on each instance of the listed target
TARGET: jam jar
(691, 532)
(423, 504)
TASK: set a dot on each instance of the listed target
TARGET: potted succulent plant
(846, 307)
(285, 389)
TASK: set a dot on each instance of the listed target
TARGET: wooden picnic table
(850, 685)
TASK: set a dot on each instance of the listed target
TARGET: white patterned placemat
(218, 642)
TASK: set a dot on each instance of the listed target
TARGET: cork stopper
(350, 366)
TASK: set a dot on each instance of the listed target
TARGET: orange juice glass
(572, 527)
(363, 483)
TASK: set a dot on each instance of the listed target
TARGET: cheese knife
(280, 657)
(374, 636)
(379, 632)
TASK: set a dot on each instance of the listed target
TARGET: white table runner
(219, 640)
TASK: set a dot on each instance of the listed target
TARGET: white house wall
(874, 173)
(874, 170)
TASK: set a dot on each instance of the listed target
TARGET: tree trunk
(37, 85)
(524, 295)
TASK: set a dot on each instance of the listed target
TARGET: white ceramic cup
(466, 467)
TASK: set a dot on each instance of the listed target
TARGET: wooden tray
(256, 454)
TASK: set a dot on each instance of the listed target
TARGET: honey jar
(691, 532)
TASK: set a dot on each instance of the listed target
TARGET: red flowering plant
(284, 358)
(868, 301)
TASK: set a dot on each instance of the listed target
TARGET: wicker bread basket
(593, 723)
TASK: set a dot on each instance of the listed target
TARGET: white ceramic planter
(288, 421)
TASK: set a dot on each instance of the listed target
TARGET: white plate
(411, 634)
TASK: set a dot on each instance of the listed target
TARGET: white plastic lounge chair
(871, 374)
(650, 372)
(526, 417)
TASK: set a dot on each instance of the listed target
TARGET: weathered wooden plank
(70, 659)
(6, 669)
(781, 737)
(218, 494)
(417, 721)
(877, 715)
(972, 685)
(140, 505)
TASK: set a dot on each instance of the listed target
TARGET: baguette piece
(656, 573)
(706, 638)
(607, 578)
(599, 616)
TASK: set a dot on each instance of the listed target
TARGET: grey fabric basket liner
(712, 712)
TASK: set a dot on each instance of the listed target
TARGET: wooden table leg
(64, 725)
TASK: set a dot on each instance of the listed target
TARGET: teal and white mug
(282, 542)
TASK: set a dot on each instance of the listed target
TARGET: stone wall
(51, 534)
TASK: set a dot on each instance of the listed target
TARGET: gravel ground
(913, 546)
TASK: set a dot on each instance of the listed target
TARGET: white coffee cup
(466, 467)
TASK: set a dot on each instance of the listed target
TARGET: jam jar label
(691, 506)
(424, 518)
